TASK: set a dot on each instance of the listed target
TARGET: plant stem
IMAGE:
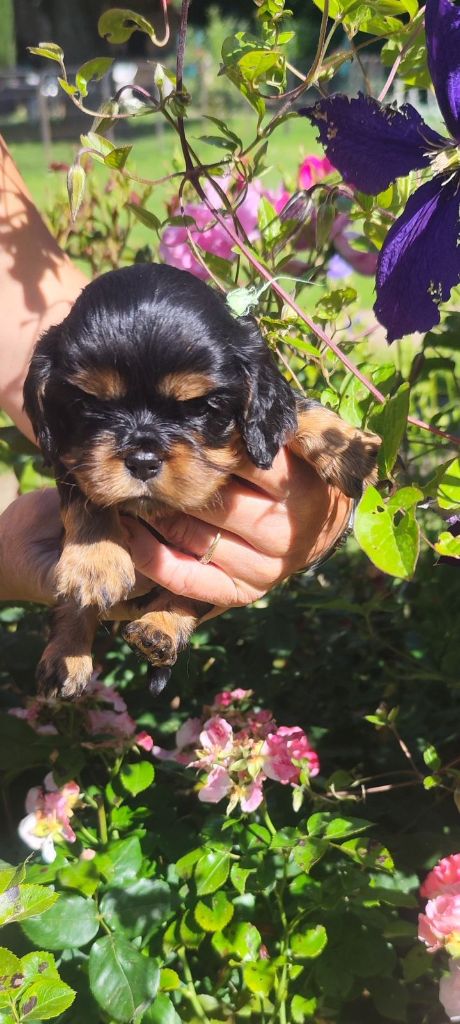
(101, 819)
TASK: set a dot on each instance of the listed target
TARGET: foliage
(300, 903)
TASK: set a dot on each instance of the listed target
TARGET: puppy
(144, 399)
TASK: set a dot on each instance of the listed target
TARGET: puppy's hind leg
(66, 664)
(341, 454)
(160, 634)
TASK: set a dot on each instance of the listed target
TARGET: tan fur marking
(160, 635)
(184, 386)
(94, 568)
(102, 382)
(66, 665)
(341, 454)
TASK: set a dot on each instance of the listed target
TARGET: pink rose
(444, 878)
(449, 989)
(440, 924)
(217, 786)
(227, 697)
(116, 724)
(281, 748)
(217, 736)
(252, 796)
(187, 736)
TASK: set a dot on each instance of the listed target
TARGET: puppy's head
(150, 389)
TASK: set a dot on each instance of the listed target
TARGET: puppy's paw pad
(63, 677)
(100, 576)
(154, 644)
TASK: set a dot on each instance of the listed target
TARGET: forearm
(38, 284)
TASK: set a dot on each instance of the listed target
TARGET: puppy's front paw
(153, 644)
(99, 574)
(60, 675)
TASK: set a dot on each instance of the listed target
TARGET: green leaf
(309, 944)
(70, 90)
(137, 776)
(302, 1009)
(392, 546)
(219, 142)
(76, 180)
(122, 861)
(72, 922)
(214, 914)
(117, 157)
(11, 876)
(40, 963)
(269, 222)
(448, 493)
(9, 965)
(49, 50)
(369, 854)
(21, 902)
(259, 977)
(145, 217)
(239, 877)
(390, 998)
(122, 981)
(392, 426)
(92, 140)
(81, 875)
(118, 24)
(161, 1011)
(448, 545)
(331, 305)
(92, 71)
(308, 852)
(46, 998)
(138, 907)
(169, 980)
(186, 864)
(431, 758)
(211, 871)
(242, 940)
(190, 932)
(335, 826)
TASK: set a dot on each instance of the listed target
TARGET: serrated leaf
(67, 87)
(137, 776)
(122, 981)
(393, 423)
(239, 877)
(71, 922)
(309, 944)
(138, 907)
(259, 977)
(23, 901)
(308, 852)
(9, 965)
(190, 932)
(49, 50)
(11, 876)
(92, 140)
(335, 826)
(52, 996)
(122, 861)
(211, 871)
(214, 914)
(392, 546)
(302, 1009)
(161, 1011)
(448, 546)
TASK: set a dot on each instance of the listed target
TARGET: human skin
(272, 522)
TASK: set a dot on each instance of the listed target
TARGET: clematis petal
(442, 27)
(371, 144)
(420, 260)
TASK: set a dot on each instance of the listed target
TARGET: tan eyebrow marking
(184, 386)
(102, 382)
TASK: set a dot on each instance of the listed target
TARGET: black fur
(147, 321)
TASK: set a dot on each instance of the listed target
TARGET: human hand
(272, 523)
(268, 533)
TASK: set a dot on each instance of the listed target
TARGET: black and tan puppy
(144, 400)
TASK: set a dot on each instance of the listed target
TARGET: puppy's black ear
(35, 387)
(269, 417)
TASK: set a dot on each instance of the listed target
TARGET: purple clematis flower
(372, 144)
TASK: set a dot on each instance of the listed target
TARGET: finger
(230, 553)
(283, 478)
(182, 574)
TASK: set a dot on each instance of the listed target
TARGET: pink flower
(31, 715)
(217, 737)
(49, 809)
(313, 169)
(118, 724)
(106, 694)
(87, 854)
(217, 785)
(449, 991)
(186, 737)
(282, 748)
(252, 795)
(144, 740)
(444, 878)
(227, 697)
(440, 924)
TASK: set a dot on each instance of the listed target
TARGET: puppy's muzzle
(143, 465)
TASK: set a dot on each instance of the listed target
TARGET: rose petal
(420, 260)
(442, 26)
(371, 144)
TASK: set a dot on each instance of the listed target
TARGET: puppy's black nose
(143, 465)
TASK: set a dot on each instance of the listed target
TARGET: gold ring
(211, 549)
